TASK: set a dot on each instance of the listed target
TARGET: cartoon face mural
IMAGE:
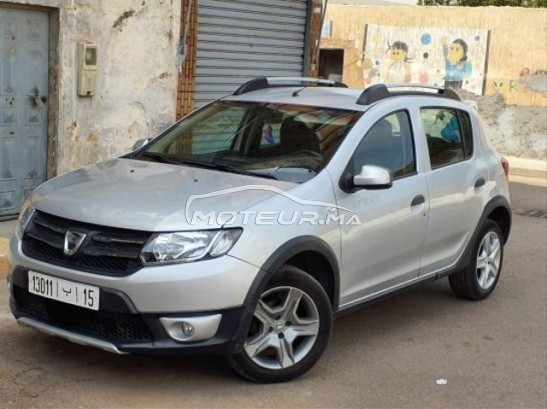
(399, 70)
(457, 67)
(450, 57)
(457, 51)
(399, 51)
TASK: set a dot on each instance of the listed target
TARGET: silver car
(247, 226)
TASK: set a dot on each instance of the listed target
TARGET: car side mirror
(140, 143)
(373, 177)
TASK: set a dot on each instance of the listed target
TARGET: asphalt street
(390, 354)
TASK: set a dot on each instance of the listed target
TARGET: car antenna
(298, 91)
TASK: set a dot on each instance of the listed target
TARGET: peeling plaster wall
(136, 80)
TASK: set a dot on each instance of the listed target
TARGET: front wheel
(290, 329)
(479, 278)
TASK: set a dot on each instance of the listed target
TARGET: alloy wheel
(284, 329)
(488, 260)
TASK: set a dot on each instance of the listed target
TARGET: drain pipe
(323, 12)
(182, 49)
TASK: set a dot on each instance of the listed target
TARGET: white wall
(136, 82)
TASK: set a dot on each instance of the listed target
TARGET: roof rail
(274, 82)
(378, 92)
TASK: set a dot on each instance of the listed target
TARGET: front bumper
(117, 327)
(215, 284)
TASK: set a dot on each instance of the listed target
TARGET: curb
(529, 173)
(4, 264)
(531, 168)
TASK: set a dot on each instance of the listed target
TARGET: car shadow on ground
(398, 315)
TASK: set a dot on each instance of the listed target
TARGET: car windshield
(278, 141)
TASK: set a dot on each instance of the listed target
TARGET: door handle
(37, 99)
(418, 200)
(480, 183)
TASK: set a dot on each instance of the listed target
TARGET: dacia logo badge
(73, 241)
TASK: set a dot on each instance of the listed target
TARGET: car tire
(479, 278)
(290, 329)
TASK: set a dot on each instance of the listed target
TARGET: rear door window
(449, 135)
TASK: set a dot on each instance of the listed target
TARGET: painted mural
(451, 57)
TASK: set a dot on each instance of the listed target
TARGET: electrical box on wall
(87, 69)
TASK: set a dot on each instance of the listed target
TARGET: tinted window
(389, 144)
(448, 131)
(217, 133)
(467, 133)
(281, 141)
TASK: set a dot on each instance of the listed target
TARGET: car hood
(148, 196)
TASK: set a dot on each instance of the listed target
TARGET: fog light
(191, 329)
(187, 329)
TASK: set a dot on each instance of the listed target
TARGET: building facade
(476, 49)
(229, 41)
(82, 80)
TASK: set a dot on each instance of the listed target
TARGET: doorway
(24, 56)
(331, 64)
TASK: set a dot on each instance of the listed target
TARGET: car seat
(296, 136)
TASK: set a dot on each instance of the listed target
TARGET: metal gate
(243, 39)
(23, 104)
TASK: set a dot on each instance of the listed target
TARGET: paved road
(388, 354)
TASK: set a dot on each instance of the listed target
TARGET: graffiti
(501, 85)
(528, 82)
(450, 57)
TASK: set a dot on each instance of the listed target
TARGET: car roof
(325, 93)
(343, 98)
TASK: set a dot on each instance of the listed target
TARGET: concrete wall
(514, 104)
(517, 50)
(136, 81)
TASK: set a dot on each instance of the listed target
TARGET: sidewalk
(6, 228)
(4, 268)
(532, 168)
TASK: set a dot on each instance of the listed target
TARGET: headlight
(189, 246)
(24, 217)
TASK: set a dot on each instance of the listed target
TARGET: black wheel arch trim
(495, 203)
(279, 257)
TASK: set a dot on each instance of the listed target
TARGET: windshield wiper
(161, 157)
(225, 168)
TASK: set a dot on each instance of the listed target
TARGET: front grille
(107, 251)
(111, 326)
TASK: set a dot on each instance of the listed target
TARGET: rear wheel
(479, 278)
(289, 331)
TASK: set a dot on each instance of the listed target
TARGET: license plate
(85, 296)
